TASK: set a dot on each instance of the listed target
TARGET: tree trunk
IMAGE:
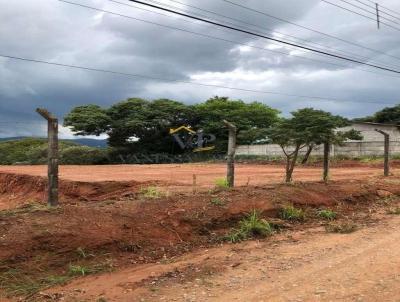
(288, 174)
(290, 164)
(307, 155)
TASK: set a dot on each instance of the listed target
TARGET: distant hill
(97, 143)
(32, 151)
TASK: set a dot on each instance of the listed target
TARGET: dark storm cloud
(55, 31)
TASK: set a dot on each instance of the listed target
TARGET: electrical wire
(218, 38)
(353, 55)
(310, 29)
(349, 10)
(379, 9)
(267, 37)
(366, 10)
(187, 82)
(384, 7)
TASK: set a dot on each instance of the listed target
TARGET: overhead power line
(266, 37)
(310, 29)
(359, 14)
(214, 37)
(263, 29)
(381, 9)
(321, 98)
(370, 12)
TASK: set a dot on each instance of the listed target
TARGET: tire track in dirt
(366, 267)
(306, 265)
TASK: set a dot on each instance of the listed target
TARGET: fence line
(351, 149)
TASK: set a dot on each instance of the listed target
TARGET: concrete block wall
(351, 149)
(372, 143)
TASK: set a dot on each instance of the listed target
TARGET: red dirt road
(181, 174)
(305, 266)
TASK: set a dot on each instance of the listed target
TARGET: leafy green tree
(138, 125)
(251, 119)
(307, 127)
(88, 120)
(134, 124)
(388, 115)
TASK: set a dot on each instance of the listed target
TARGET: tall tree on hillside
(134, 125)
(307, 127)
(251, 119)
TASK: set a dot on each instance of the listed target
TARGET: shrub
(342, 228)
(221, 183)
(250, 226)
(83, 155)
(151, 192)
(327, 214)
(291, 213)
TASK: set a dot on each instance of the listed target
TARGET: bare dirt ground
(110, 242)
(21, 183)
(182, 174)
(305, 265)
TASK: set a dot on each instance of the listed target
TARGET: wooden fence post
(194, 183)
(230, 175)
(327, 149)
(386, 171)
(52, 134)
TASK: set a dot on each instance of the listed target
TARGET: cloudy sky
(56, 31)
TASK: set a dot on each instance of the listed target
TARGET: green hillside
(33, 151)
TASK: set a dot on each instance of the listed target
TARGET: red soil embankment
(17, 189)
(169, 224)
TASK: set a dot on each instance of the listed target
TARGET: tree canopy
(252, 117)
(141, 125)
(388, 115)
(307, 127)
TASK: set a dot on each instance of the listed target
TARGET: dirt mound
(155, 226)
(37, 240)
(17, 189)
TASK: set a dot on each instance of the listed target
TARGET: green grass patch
(29, 208)
(292, 214)
(221, 183)
(394, 211)
(25, 282)
(82, 270)
(217, 202)
(327, 214)
(18, 283)
(151, 192)
(250, 226)
(342, 228)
